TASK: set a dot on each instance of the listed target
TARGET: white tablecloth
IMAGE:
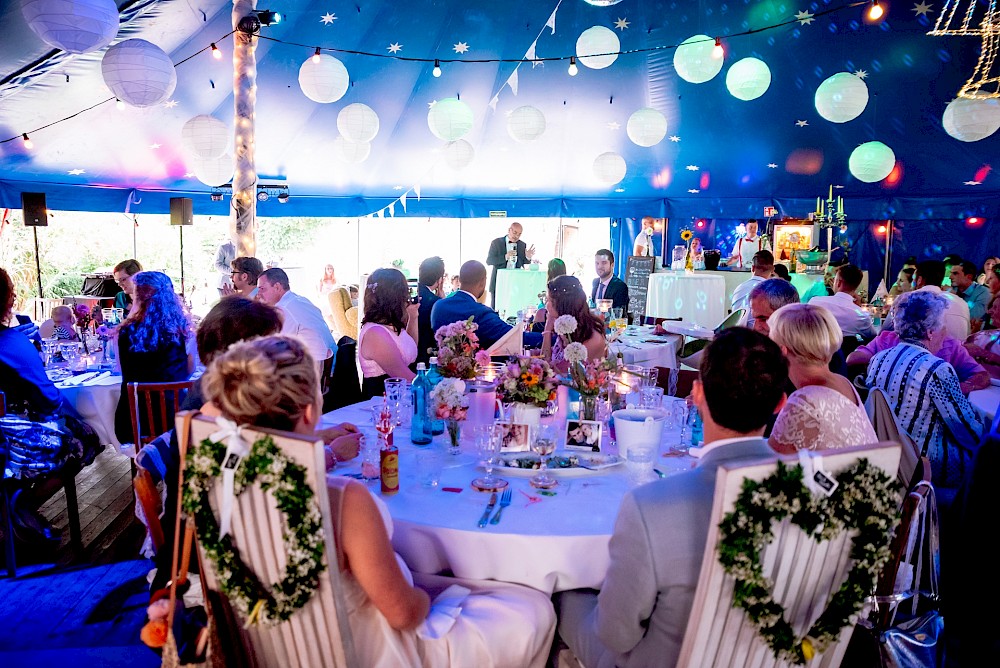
(985, 402)
(554, 544)
(638, 346)
(96, 402)
(698, 297)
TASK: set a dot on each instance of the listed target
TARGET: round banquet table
(96, 400)
(638, 345)
(551, 543)
(985, 402)
(697, 297)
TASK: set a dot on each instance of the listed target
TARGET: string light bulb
(215, 52)
(27, 142)
(875, 12)
(573, 69)
(717, 50)
(437, 68)
(119, 105)
(316, 55)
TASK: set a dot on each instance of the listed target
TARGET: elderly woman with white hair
(825, 411)
(924, 393)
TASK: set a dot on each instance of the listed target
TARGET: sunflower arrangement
(686, 236)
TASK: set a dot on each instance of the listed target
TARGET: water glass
(639, 464)
(543, 443)
(681, 412)
(488, 438)
(650, 397)
(429, 465)
(405, 416)
(394, 395)
(651, 377)
(371, 465)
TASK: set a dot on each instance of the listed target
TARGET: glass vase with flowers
(451, 405)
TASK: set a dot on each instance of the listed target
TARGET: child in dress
(64, 324)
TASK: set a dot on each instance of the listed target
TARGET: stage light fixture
(283, 198)
(216, 197)
(267, 17)
(263, 196)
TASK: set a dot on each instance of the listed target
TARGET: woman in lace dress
(825, 411)
(272, 382)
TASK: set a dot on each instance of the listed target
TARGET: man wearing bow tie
(507, 252)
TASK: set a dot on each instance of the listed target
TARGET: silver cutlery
(504, 502)
(489, 509)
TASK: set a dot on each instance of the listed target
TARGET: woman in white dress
(825, 411)
(387, 342)
(272, 382)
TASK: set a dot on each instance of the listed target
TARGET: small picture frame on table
(583, 435)
(515, 437)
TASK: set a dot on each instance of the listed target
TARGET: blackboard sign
(637, 271)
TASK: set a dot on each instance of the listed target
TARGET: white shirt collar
(698, 453)
(285, 298)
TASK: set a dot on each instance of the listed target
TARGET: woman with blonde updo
(271, 382)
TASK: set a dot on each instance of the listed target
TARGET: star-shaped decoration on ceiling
(693, 191)
(188, 175)
(515, 188)
(838, 187)
(922, 9)
(802, 124)
(613, 125)
(619, 190)
(861, 74)
(76, 172)
(772, 165)
(692, 168)
(973, 183)
(397, 187)
(621, 24)
(395, 47)
(461, 47)
(674, 138)
(430, 105)
(804, 18)
(328, 18)
(170, 104)
(154, 146)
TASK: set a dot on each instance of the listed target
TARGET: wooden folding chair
(887, 429)
(318, 634)
(807, 572)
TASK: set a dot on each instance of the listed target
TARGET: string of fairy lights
(874, 12)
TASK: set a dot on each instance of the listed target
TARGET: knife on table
(489, 509)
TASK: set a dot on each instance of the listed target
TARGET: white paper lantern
(215, 171)
(872, 161)
(324, 81)
(842, 97)
(139, 73)
(695, 59)
(748, 79)
(458, 154)
(205, 137)
(450, 119)
(646, 127)
(971, 120)
(353, 152)
(358, 123)
(595, 40)
(609, 167)
(526, 124)
(76, 26)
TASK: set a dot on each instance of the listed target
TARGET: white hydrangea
(574, 352)
(449, 392)
(565, 325)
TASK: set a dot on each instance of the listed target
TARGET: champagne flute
(543, 443)
(488, 437)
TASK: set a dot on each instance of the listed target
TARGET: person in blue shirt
(965, 287)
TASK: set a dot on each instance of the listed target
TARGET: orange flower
(154, 634)
(529, 378)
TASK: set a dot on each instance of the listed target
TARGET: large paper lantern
(609, 167)
(971, 120)
(646, 127)
(215, 171)
(748, 79)
(458, 154)
(871, 162)
(76, 26)
(139, 73)
(358, 123)
(349, 151)
(450, 119)
(841, 98)
(526, 124)
(205, 137)
(598, 40)
(325, 80)
(695, 59)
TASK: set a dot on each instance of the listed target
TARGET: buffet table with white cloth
(95, 397)
(519, 288)
(638, 345)
(697, 297)
(551, 543)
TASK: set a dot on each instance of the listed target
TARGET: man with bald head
(465, 303)
(507, 252)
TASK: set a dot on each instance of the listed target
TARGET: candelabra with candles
(828, 215)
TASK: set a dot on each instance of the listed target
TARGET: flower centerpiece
(451, 406)
(528, 383)
(84, 318)
(458, 354)
(586, 377)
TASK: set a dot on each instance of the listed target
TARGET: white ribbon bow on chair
(236, 449)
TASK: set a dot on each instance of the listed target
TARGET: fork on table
(504, 502)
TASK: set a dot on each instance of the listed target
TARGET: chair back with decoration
(676, 382)
(887, 429)
(802, 572)
(316, 634)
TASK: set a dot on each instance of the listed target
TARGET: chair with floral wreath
(811, 586)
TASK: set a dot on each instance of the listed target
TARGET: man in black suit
(507, 252)
(607, 285)
(430, 281)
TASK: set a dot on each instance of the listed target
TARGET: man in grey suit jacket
(639, 616)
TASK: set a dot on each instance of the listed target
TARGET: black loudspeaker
(33, 208)
(181, 211)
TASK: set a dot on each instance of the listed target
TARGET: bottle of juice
(389, 465)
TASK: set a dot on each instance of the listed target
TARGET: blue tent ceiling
(736, 154)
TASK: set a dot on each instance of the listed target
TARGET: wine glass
(488, 437)
(682, 410)
(543, 442)
(385, 423)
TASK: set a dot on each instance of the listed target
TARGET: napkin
(444, 611)
(78, 380)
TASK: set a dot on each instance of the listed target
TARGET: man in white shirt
(224, 257)
(927, 278)
(300, 317)
(747, 247)
(763, 267)
(643, 244)
(853, 319)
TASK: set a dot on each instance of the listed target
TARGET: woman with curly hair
(152, 343)
(566, 297)
(387, 342)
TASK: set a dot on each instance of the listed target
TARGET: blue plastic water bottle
(433, 378)
(697, 428)
(420, 426)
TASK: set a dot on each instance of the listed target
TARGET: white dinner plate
(597, 464)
